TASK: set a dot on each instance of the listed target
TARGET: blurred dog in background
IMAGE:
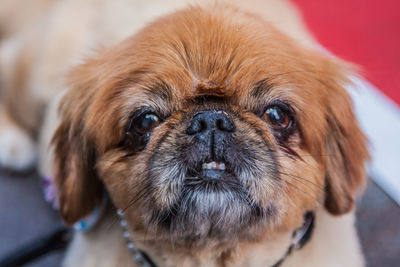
(220, 131)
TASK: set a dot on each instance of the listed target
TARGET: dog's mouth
(211, 172)
(214, 165)
(212, 203)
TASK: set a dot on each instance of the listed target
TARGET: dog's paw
(17, 149)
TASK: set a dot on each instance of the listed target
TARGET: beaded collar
(300, 237)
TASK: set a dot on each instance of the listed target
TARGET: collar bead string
(300, 237)
(138, 256)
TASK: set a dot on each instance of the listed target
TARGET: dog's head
(209, 125)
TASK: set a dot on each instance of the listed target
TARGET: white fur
(17, 149)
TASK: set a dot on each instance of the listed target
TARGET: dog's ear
(346, 152)
(79, 188)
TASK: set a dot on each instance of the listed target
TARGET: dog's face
(209, 125)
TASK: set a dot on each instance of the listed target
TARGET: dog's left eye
(277, 117)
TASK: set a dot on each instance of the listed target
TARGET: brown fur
(201, 51)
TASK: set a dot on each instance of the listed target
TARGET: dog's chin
(212, 205)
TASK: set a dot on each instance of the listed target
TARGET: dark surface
(378, 224)
(24, 215)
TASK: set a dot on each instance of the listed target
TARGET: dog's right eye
(140, 129)
(145, 123)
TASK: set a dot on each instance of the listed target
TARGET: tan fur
(248, 51)
(334, 244)
(18, 150)
(16, 15)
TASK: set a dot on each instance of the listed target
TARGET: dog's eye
(278, 117)
(145, 123)
(140, 128)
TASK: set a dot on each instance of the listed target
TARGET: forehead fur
(218, 50)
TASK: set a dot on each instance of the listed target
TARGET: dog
(219, 133)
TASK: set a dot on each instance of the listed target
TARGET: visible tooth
(206, 166)
(214, 166)
(221, 166)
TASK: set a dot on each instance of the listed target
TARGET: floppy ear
(345, 147)
(79, 188)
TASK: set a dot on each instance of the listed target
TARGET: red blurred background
(366, 32)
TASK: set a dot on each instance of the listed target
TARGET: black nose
(206, 122)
